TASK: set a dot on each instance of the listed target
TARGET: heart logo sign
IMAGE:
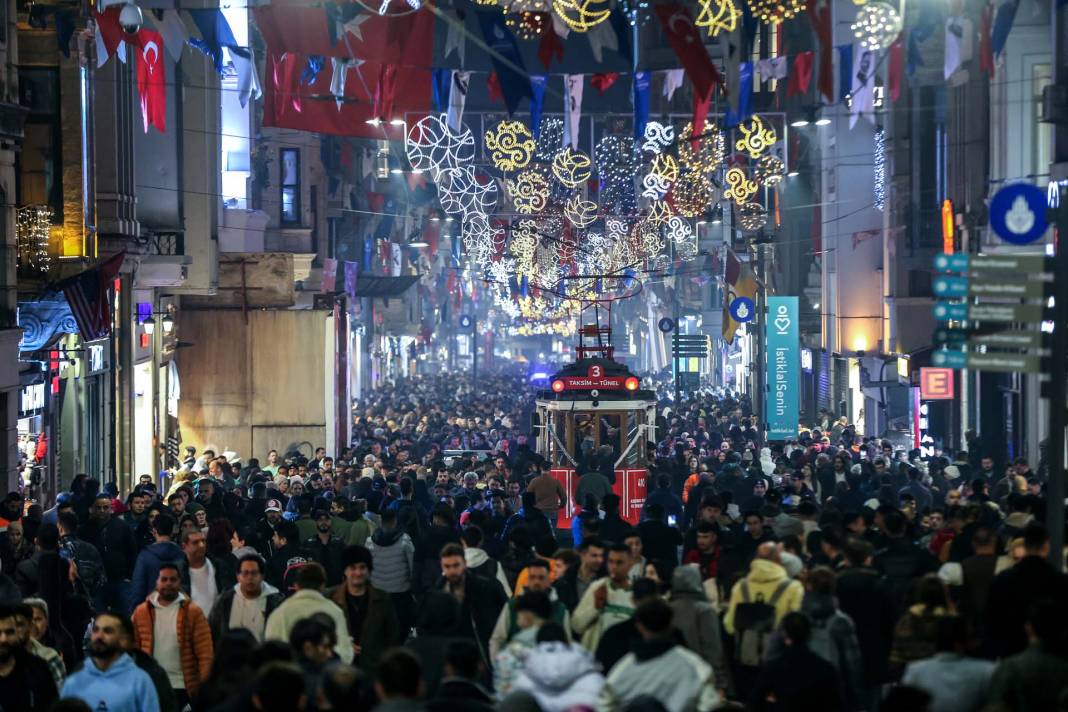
(782, 319)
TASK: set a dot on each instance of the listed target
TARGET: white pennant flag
(602, 36)
(248, 82)
(673, 79)
(561, 29)
(959, 44)
(454, 39)
(340, 69)
(862, 96)
(396, 258)
(573, 84)
(173, 31)
(458, 98)
(102, 55)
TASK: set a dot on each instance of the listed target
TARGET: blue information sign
(944, 311)
(1018, 213)
(466, 321)
(949, 359)
(951, 263)
(950, 286)
(783, 367)
(742, 309)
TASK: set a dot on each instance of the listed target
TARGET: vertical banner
(783, 368)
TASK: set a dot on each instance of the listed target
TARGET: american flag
(89, 296)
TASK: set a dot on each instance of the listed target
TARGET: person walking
(109, 679)
(248, 604)
(172, 629)
(372, 622)
(306, 602)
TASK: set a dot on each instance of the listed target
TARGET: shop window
(289, 166)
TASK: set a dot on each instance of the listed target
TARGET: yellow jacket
(764, 577)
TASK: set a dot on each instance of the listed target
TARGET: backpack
(822, 642)
(754, 622)
(91, 573)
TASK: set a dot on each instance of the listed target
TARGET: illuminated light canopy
(739, 188)
(752, 216)
(582, 15)
(704, 154)
(460, 191)
(769, 170)
(773, 12)
(877, 25)
(717, 16)
(511, 145)
(658, 137)
(32, 228)
(432, 146)
(756, 137)
(580, 213)
(529, 192)
(572, 168)
(663, 172)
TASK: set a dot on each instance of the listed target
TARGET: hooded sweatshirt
(123, 687)
(477, 557)
(561, 676)
(146, 570)
(698, 620)
(764, 577)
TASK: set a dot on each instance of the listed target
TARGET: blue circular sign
(466, 321)
(1018, 213)
(742, 309)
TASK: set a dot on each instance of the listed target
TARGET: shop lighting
(149, 325)
(823, 121)
(396, 122)
(374, 122)
(791, 174)
(799, 123)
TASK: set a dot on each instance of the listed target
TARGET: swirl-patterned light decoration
(773, 12)
(686, 249)
(657, 137)
(717, 16)
(460, 191)
(646, 234)
(511, 145)
(571, 168)
(663, 172)
(769, 170)
(739, 188)
(659, 213)
(710, 151)
(752, 216)
(580, 213)
(756, 137)
(676, 229)
(550, 138)
(529, 192)
(432, 146)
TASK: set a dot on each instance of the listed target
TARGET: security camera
(131, 19)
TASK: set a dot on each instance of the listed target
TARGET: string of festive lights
(879, 169)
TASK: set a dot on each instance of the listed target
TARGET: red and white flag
(151, 79)
(109, 36)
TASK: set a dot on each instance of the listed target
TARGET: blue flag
(215, 33)
(1003, 20)
(537, 102)
(642, 84)
(442, 81)
(368, 252)
(511, 73)
(745, 92)
(845, 71)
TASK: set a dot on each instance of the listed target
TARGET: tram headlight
(631, 384)
(558, 386)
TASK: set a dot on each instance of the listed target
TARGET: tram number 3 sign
(594, 378)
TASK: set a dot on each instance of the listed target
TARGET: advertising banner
(783, 368)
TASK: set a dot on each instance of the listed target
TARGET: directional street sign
(1028, 264)
(1006, 312)
(996, 339)
(1018, 213)
(689, 345)
(950, 286)
(980, 287)
(1000, 362)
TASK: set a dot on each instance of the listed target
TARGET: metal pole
(474, 351)
(1057, 403)
(1059, 379)
(675, 350)
(760, 333)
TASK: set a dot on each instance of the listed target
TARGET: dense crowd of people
(422, 568)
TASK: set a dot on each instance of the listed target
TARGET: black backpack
(754, 622)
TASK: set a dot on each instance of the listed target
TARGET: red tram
(595, 408)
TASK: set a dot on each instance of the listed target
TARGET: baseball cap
(273, 505)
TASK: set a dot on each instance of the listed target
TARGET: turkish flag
(690, 47)
(151, 79)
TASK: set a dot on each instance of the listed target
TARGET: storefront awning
(379, 287)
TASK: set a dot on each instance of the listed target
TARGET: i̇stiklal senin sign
(783, 367)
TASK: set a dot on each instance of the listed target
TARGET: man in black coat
(902, 562)
(118, 548)
(481, 599)
(799, 679)
(1016, 590)
(864, 596)
(660, 541)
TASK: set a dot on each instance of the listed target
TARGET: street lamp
(167, 322)
(149, 325)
